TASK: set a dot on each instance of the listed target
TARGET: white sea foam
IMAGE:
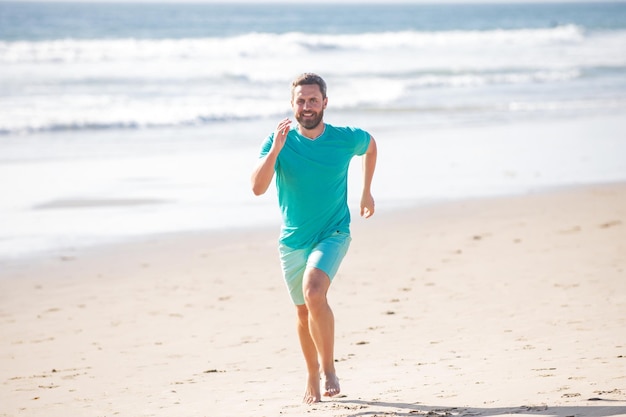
(72, 84)
(266, 44)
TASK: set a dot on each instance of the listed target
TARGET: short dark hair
(309, 78)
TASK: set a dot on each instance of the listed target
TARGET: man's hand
(264, 170)
(367, 205)
(280, 135)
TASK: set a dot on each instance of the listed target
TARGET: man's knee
(315, 287)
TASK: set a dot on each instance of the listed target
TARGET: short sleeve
(362, 141)
(266, 146)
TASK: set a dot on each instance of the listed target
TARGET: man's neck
(314, 133)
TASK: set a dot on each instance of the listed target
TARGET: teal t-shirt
(312, 182)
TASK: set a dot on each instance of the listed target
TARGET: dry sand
(485, 307)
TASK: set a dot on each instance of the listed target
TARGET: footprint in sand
(574, 229)
(611, 223)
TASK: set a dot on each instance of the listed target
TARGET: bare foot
(331, 385)
(312, 392)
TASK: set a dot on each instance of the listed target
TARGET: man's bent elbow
(259, 189)
(261, 177)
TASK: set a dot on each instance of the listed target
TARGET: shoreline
(195, 184)
(490, 306)
(226, 234)
(229, 235)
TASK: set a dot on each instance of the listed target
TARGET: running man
(311, 163)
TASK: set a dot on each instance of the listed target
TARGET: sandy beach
(139, 275)
(484, 307)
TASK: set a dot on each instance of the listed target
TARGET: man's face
(308, 105)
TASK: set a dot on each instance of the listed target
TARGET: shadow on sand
(375, 408)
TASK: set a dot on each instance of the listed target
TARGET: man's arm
(263, 174)
(369, 166)
(264, 170)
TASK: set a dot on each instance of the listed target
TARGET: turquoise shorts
(325, 255)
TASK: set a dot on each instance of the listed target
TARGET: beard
(310, 122)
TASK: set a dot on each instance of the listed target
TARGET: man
(311, 165)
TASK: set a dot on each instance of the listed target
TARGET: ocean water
(124, 120)
(68, 67)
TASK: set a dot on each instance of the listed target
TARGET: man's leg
(293, 262)
(312, 393)
(321, 325)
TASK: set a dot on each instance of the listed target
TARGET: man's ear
(325, 102)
